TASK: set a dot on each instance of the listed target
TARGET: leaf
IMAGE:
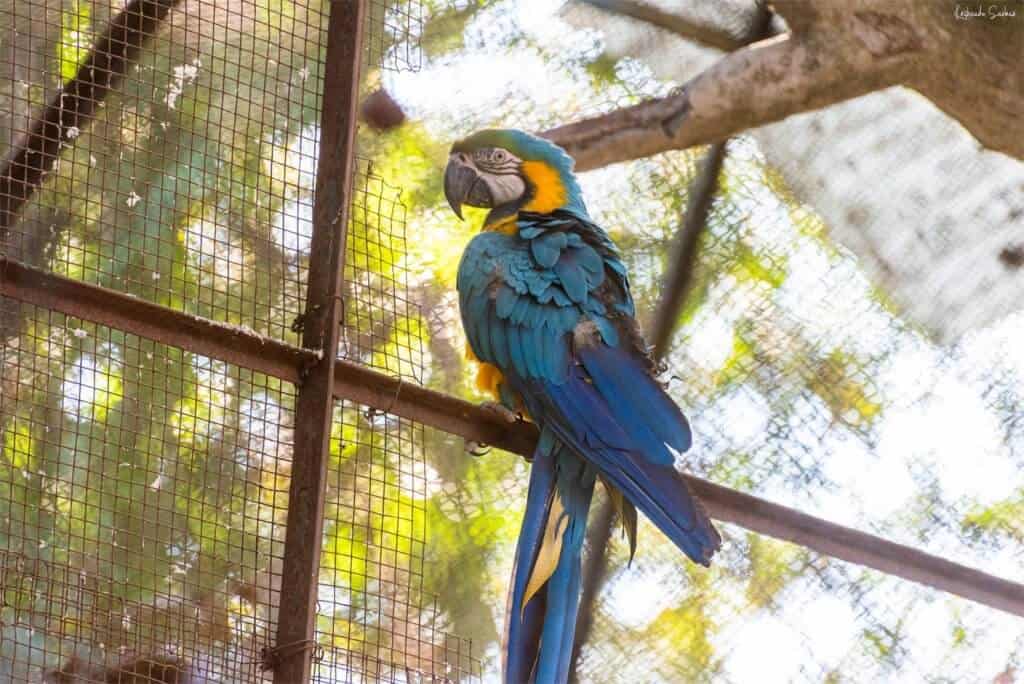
(75, 39)
(19, 446)
(773, 565)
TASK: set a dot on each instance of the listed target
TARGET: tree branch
(753, 86)
(837, 52)
(702, 34)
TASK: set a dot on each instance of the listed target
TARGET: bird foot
(500, 410)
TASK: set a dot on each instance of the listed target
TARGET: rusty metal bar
(146, 319)
(858, 547)
(74, 105)
(264, 354)
(296, 625)
(453, 415)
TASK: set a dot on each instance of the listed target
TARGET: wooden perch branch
(753, 86)
(970, 70)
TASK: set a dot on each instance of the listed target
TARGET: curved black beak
(463, 185)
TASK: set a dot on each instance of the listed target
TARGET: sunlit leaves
(1004, 518)
(75, 39)
(18, 443)
(773, 565)
(849, 397)
(92, 388)
(687, 630)
(444, 32)
(345, 555)
(603, 69)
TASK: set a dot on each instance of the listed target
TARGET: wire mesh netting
(146, 487)
(807, 368)
(144, 495)
(382, 323)
(193, 185)
(371, 605)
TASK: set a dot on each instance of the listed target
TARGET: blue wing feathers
(506, 301)
(573, 281)
(516, 352)
(499, 345)
(518, 313)
(618, 375)
(580, 417)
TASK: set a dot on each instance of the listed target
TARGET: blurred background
(850, 344)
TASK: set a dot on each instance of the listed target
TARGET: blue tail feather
(539, 636)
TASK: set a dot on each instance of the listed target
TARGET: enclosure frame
(323, 378)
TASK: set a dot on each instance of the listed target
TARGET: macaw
(546, 307)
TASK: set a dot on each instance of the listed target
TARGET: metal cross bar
(450, 414)
(114, 309)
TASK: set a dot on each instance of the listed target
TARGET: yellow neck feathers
(549, 192)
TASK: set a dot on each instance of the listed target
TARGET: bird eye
(499, 155)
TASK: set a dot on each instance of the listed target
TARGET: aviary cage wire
(146, 486)
(145, 476)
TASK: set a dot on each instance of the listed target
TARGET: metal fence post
(292, 658)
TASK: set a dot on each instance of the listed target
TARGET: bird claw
(501, 411)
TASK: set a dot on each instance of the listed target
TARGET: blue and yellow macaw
(547, 311)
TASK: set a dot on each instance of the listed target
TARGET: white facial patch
(505, 187)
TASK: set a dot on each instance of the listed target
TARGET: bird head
(507, 171)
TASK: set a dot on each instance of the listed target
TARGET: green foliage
(1004, 519)
(603, 70)
(444, 33)
(75, 39)
(688, 630)
(773, 565)
(19, 446)
(838, 380)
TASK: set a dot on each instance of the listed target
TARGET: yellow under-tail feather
(489, 378)
(550, 549)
